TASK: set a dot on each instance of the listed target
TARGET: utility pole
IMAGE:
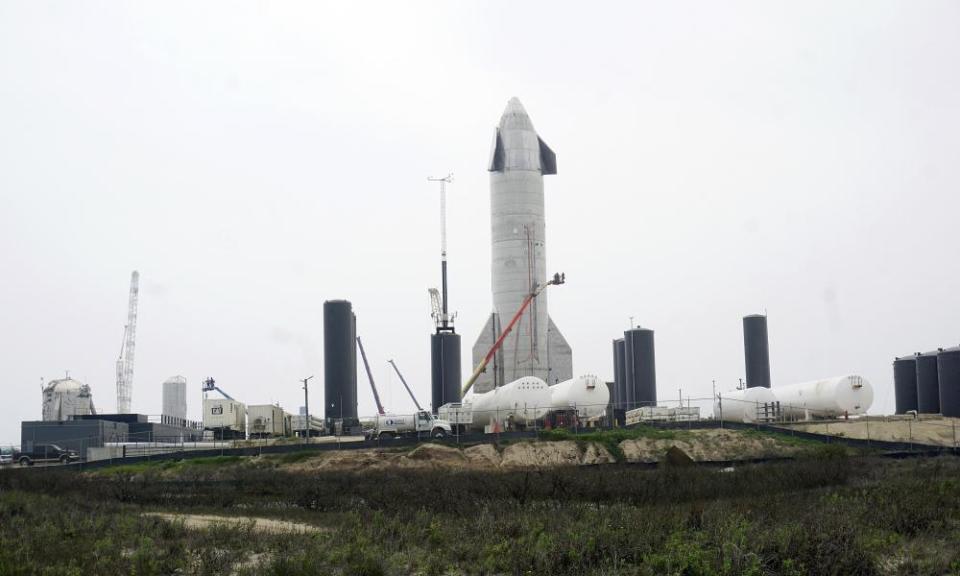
(306, 408)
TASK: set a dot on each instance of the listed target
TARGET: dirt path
(203, 521)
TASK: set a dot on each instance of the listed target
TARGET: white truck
(396, 425)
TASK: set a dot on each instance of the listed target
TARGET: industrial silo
(756, 350)
(339, 363)
(619, 375)
(175, 398)
(905, 383)
(948, 372)
(445, 372)
(640, 368)
(928, 385)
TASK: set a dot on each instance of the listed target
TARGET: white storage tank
(227, 416)
(588, 394)
(522, 401)
(175, 397)
(827, 398)
(266, 420)
(63, 399)
(747, 405)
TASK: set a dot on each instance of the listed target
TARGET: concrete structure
(66, 398)
(518, 162)
(175, 397)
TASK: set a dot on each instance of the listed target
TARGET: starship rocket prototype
(519, 160)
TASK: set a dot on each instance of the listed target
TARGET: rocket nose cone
(515, 116)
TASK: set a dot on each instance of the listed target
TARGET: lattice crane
(127, 349)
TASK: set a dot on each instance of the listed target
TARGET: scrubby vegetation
(611, 439)
(825, 514)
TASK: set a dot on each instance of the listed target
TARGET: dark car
(45, 453)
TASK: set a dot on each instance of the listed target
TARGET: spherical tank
(524, 400)
(588, 394)
(745, 405)
(827, 398)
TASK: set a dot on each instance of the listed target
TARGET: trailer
(267, 421)
(298, 425)
(225, 418)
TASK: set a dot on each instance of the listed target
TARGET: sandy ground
(928, 430)
(700, 445)
(707, 446)
(203, 521)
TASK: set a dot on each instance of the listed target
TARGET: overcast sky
(252, 160)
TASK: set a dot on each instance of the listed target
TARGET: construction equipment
(555, 281)
(127, 348)
(209, 385)
(443, 318)
(402, 379)
(373, 386)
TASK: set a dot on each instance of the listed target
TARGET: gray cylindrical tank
(619, 396)
(905, 383)
(948, 372)
(445, 369)
(339, 362)
(928, 385)
(640, 368)
(756, 350)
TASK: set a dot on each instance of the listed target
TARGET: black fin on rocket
(496, 154)
(548, 159)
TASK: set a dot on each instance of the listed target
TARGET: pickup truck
(396, 425)
(47, 453)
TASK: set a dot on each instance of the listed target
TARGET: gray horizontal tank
(948, 372)
(756, 350)
(640, 368)
(339, 363)
(928, 385)
(905, 383)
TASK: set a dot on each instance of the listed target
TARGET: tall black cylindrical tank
(756, 350)
(619, 390)
(445, 369)
(339, 363)
(905, 383)
(640, 368)
(928, 385)
(948, 372)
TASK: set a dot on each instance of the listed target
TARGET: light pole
(306, 408)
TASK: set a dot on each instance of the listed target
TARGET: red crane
(556, 281)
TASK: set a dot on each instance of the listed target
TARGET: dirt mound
(483, 455)
(708, 445)
(433, 456)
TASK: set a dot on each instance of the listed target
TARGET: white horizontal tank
(826, 398)
(747, 405)
(523, 400)
(588, 394)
